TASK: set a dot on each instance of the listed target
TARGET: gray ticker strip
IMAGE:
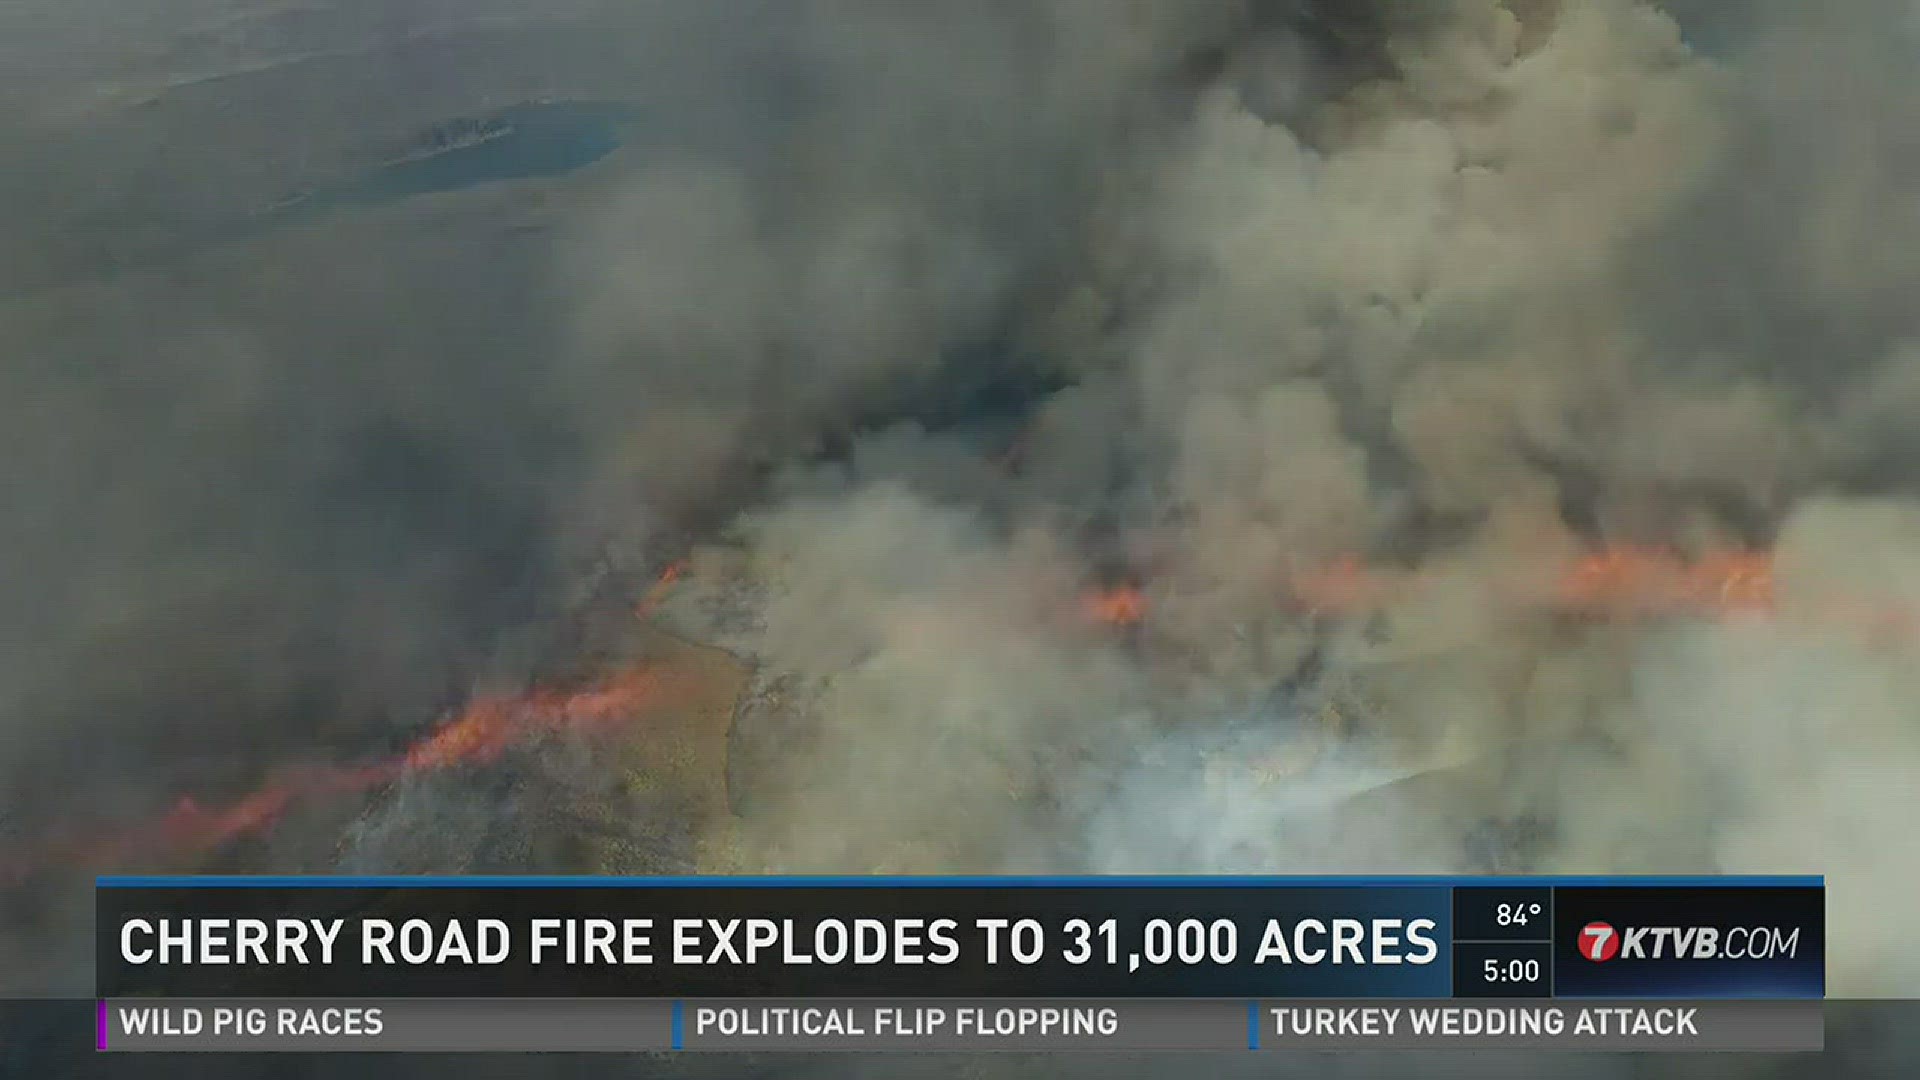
(616, 1025)
(1537, 1024)
(657, 1024)
(960, 1024)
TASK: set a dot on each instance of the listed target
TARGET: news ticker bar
(1103, 937)
(613, 1025)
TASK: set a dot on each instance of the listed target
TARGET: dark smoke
(909, 322)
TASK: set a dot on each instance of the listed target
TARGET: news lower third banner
(1026, 964)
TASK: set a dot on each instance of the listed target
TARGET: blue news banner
(1027, 964)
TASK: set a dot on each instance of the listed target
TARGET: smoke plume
(955, 315)
(1531, 279)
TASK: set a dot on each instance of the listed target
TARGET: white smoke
(1540, 277)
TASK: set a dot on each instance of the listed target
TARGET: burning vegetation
(1613, 584)
(1214, 437)
(478, 735)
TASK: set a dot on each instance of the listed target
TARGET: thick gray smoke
(1535, 276)
(926, 321)
(281, 493)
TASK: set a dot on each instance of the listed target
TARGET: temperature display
(1494, 913)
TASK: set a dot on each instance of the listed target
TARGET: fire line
(478, 735)
(1616, 582)
(1619, 582)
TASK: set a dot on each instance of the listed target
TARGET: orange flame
(480, 734)
(1623, 582)
(1633, 581)
(1122, 606)
(657, 593)
(1613, 582)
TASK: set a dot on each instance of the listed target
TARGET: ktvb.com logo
(1600, 942)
